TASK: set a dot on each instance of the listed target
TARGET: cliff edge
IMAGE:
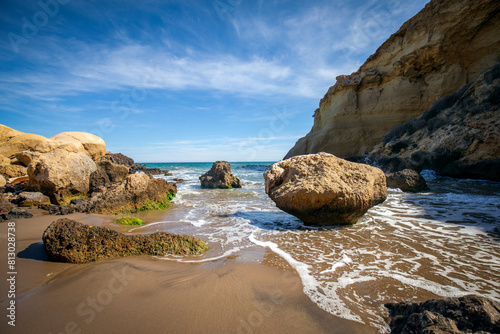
(442, 48)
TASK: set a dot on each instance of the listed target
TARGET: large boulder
(468, 314)
(61, 175)
(93, 145)
(321, 189)
(407, 180)
(220, 176)
(135, 191)
(69, 241)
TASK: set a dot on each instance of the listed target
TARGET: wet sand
(149, 295)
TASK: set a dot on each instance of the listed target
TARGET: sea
(440, 243)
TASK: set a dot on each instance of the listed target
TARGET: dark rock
(407, 180)
(177, 180)
(5, 204)
(220, 176)
(118, 159)
(15, 214)
(32, 199)
(69, 241)
(115, 172)
(135, 191)
(468, 314)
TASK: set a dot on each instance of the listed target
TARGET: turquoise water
(445, 242)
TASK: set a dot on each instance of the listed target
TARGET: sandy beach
(145, 294)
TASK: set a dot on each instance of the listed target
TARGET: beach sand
(149, 295)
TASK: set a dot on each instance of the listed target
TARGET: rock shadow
(35, 251)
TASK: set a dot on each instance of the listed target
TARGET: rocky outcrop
(134, 192)
(468, 314)
(321, 189)
(32, 199)
(407, 180)
(446, 45)
(220, 176)
(69, 241)
(457, 137)
(61, 175)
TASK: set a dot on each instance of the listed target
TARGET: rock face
(457, 137)
(133, 192)
(61, 175)
(69, 241)
(443, 47)
(407, 180)
(468, 314)
(321, 189)
(32, 199)
(220, 176)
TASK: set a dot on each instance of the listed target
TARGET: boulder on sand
(61, 175)
(66, 240)
(135, 191)
(5, 204)
(220, 176)
(321, 189)
(468, 314)
(32, 199)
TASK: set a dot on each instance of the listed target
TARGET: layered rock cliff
(446, 45)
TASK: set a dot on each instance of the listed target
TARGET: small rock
(66, 240)
(407, 180)
(220, 176)
(177, 180)
(5, 204)
(32, 199)
(3, 182)
(15, 214)
(468, 314)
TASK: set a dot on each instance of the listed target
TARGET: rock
(321, 189)
(98, 178)
(32, 199)
(5, 204)
(133, 192)
(10, 171)
(20, 142)
(115, 172)
(118, 159)
(93, 145)
(15, 214)
(177, 180)
(220, 176)
(457, 137)
(468, 314)
(69, 241)
(61, 175)
(444, 46)
(3, 182)
(407, 180)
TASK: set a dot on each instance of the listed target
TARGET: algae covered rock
(321, 189)
(66, 240)
(220, 176)
(136, 191)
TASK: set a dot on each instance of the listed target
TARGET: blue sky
(166, 81)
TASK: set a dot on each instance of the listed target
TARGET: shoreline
(140, 293)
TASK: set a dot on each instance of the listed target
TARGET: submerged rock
(321, 189)
(135, 191)
(220, 176)
(468, 314)
(66, 240)
(407, 180)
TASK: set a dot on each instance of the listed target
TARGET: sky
(183, 80)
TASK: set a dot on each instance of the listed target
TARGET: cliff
(458, 136)
(446, 45)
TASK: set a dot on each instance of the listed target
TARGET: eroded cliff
(446, 45)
